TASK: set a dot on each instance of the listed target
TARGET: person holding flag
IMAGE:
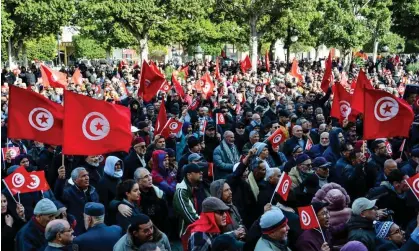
(316, 237)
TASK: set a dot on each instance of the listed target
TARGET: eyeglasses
(398, 231)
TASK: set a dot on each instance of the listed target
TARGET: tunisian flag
(53, 78)
(277, 138)
(150, 82)
(177, 85)
(36, 182)
(362, 83)
(385, 115)
(161, 119)
(219, 119)
(95, 127)
(246, 64)
(15, 182)
(341, 107)
(308, 218)
(77, 77)
(267, 63)
(284, 186)
(172, 126)
(328, 75)
(208, 85)
(295, 70)
(413, 183)
(34, 117)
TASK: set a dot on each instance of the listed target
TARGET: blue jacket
(375, 171)
(223, 166)
(75, 199)
(410, 168)
(332, 152)
(337, 176)
(30, 237)
(99, 238)
(65, 248)
(316, 151)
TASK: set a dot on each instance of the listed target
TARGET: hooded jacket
(162, 177)
(332, 152)
(216, 190)
(106, 188)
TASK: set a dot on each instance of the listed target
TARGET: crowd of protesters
(212, 186)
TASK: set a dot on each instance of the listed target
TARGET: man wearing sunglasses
(136, 157)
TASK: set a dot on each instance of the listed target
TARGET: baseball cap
(191, 168)
(301, 158)
(362, 204)
(194, 157)
(321, 162)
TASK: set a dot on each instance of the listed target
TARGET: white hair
(270, 172)
(76, 172)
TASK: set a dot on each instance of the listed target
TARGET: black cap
(283, 113)
(94, 209)
(317, 206)
(191, 168)
(193, 141)
(210, 126)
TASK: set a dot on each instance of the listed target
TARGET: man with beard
(375, 165)
(253, 139)
(136, 158)
(241, 136)
(336, 140)
(211, 142)
(318, 149)
(306, 126)
(93, 167)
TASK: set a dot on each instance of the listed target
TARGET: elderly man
(98, 237)
(31, 236)
(253, 139)
(275, 229)
(300, 172)
(225, 156)
(318, 149)
(94, 168)
(76, 196)
(268, 189)
(59, 235)
(136, 158)
(256, 121)
(298, 138)
(141, 231)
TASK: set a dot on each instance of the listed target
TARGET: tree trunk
(316, 53)
(24, 55)
(374, 54)
(9, 52)
(144, 48)
(253, 43)
(272, 55)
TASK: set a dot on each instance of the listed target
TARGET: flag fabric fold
(151, 81)
(328, 75)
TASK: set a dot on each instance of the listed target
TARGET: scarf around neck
(232, 153)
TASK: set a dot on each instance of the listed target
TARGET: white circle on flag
(207, 87)
(13, 153)
(41, 119)
(285, 187)
(415, 186)
(277, 139)
(221, 118)
(95, 126)
(18, 180)
(386, 108)
(173, 126)
(305, 218)
(345, 108)
(35, 182)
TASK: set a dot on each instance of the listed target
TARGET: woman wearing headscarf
(162, 176)
(276, 158)
(113, 171)
(262, 154)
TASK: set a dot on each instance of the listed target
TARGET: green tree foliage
(390, 39)
(44, 48)
(406, 18)
(88, 48)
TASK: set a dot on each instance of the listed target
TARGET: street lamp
(291, 38)
(294, 38)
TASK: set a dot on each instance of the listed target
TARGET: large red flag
(362, 83)
(308, 218)
(413, 183)
(150, 82)
(328, 75)
(246, 64)
(177, 85)
(185, 70)
(15, 182)
(385, 115)
(95, 127)
(341, 107)
(267, 63)
(208, 87)
(284, 186)
(161, 119)
(277, 138)
(295, 70)
(53, 78)
(36, 182)
(155, 68)
(34, 117)
(77, 77)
